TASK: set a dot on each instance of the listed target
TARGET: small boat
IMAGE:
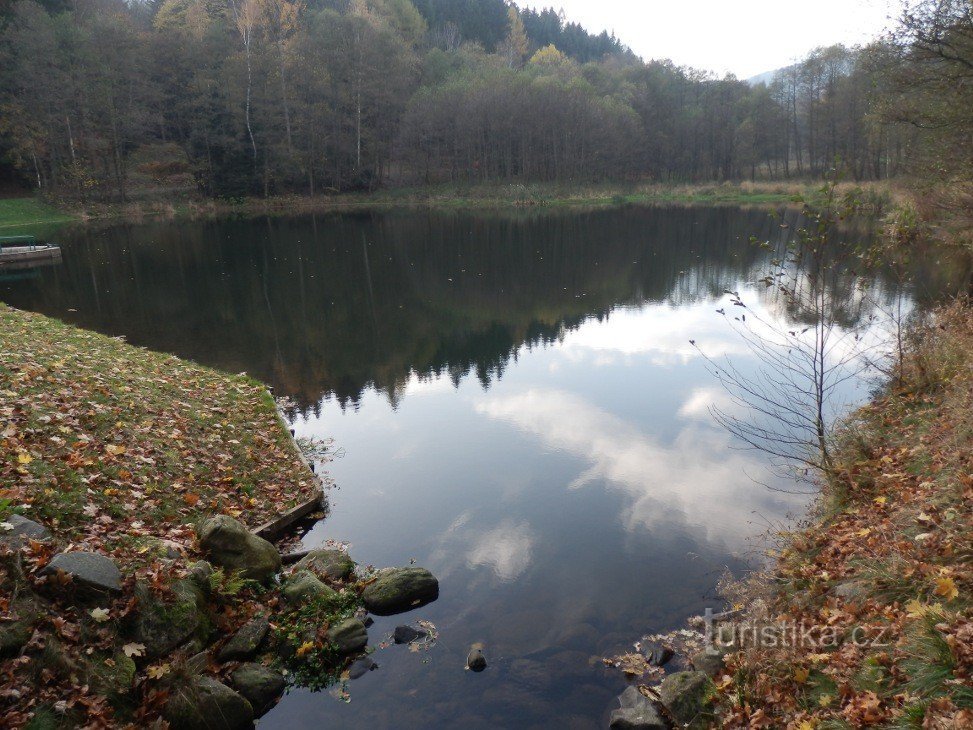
(25, 251)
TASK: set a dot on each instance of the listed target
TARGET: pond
(516, 406)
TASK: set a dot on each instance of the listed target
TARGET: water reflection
(521, 412)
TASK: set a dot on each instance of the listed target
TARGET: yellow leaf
(825, 700)
(801, 675)
(24, 458)
(819, 658)
(946, 588)
(881, 500)
(863, 533)
(114, 449)
(305, 648)
(807, 725)
(99, 614)
(158, 671)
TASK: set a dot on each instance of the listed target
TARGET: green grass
(17, 213)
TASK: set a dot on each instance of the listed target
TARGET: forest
(116, 100)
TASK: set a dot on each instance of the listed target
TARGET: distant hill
(767, 77)
(486, 22)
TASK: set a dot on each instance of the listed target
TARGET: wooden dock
(24, 252)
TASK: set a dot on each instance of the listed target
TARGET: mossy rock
(163, 625)
(396, 590)
(112, 677)
(231, 546)
(202, 703)
(687, 696)
(260, 685)
(331, 564)
(304, 586)
(246, 642)
(13, 637)
(349, 637)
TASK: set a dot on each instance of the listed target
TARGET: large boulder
(331, 564)
(687, 697)
(245, 643)
(164, 623)
(350, 637)
(92, 571)
(709, 661)
(260, 685)
(304, 586)
(636, 712)
(202, 703)
(231, 546)
(396, 590)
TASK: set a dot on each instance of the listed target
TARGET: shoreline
(864, 615)
(23, 214)
(134, 493)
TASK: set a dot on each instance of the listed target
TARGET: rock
(710, 662)
(113, 679)
(259, 685)
(686, 695)
(661, 656)
(246, 642)
(13, 637)
(93, 571)
(361, 667)
(201, 573)
(21, 529)
(636, 712)
(163, 625)
(205, 704)
(530, 674)
(331, 564)
(407, 634)
(397, 590)
(232, 547)
(475, 661)
(303, 586)
(350, 636)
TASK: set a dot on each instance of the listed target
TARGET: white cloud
(698, 480)
(507, 549)
(702, 401)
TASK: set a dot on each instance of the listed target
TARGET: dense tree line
(114, 99)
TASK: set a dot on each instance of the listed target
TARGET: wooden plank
(276, 528)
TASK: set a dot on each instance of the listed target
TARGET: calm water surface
(518, 408)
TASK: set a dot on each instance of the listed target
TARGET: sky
(743, 37)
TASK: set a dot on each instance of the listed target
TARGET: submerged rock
(331, 564)
(407, 634)
(246, 642)
(205, 704)
(231, 546)
(361, 667)
(475, 661)
(397, 590)
(304, 586)
(636, 712)
(687, 696)
(259, 685)
(350, 637)
(89, 570)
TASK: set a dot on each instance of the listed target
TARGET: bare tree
(805, 354)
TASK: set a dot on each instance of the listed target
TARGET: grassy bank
(883, 572)
(19, 213)
(16, 214)
(122, 452)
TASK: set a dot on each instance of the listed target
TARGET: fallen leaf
(99, 614)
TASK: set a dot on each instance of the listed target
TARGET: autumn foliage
(886, 559)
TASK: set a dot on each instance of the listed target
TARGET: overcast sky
(744, 37)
